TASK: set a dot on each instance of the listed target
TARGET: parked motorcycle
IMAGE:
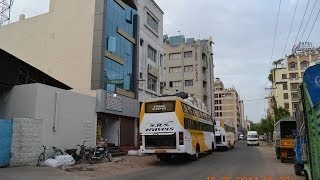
(100, 153)
(84, 152)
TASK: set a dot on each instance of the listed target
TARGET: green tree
(280, 113)
(270, 76)
(277, 62)
(267, 125)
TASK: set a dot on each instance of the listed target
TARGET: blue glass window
(115, 74)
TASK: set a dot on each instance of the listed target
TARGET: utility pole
(5, 11)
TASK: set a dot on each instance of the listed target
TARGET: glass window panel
(175, 56)
(188, 68)
(152, 53)
(112, 44)
(188, 82)
(152, 22)
(188, 54)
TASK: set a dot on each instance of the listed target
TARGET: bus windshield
(160, 107)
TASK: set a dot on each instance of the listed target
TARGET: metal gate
(5, 141)
(126, 132)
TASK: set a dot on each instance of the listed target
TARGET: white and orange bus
(172, 127)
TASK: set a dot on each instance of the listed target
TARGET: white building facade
(150, 49)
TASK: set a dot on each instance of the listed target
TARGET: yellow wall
(58, 43)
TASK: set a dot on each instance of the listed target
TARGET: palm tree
(277, 62)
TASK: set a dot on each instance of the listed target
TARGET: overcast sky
(243, 32)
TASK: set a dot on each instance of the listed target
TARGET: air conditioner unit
(162, 84)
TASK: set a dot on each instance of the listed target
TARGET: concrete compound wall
(44, 115)
(26, 140)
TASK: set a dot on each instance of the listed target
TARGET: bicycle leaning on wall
(44, 155)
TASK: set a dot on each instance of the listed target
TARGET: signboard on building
(113, 102)
(304, 47)
(196, 65)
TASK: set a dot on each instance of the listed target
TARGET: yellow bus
(173, 127)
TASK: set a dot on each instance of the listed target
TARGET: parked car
(262, 138)
(241, 137)
(252, 138)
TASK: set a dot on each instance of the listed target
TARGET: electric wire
(275, 31)
(304, 14)
(313, 25)
(274, 40)
(290, 29)
(305, 28)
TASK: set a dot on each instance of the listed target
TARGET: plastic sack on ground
(65, 160)
(51, 163)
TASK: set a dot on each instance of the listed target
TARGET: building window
(293, 66)
(112, 44)
(284, 76)
(161, 60)
(188, 54)
(204, 84)
(141, 42)
(285, 96)
(304, 65)
(215, 95)
(188, 68)
(294, 86)
(294, 106)
(293, 75)
(140, 75)
(285, 86)
(175, 84)
(302, 74)
(152, 23)
(294, 96)
(175, 56)
(152, 53)
(286, 105)
(175, 69)
(188, 83)
(152, 82)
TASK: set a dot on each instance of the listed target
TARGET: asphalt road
(240, 163)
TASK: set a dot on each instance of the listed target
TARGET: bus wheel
(196, 155)
(298, 169)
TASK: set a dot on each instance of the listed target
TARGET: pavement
(37, 173)
(240, 163)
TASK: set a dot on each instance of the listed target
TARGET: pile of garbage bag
(63, 160)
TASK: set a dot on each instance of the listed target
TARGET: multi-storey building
(151, 49)
(92, 47)
(227, 105)
(242, 117)
(188, 67)
(286, 79)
